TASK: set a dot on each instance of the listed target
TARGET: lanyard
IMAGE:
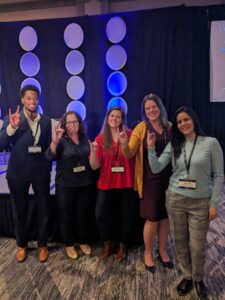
(34, 135)
(188, 163)
(116, 152)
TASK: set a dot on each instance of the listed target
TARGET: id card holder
(187, 184)
(79, 169)
(117, 169)
(34, 149)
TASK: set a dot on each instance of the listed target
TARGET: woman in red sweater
(116, 198)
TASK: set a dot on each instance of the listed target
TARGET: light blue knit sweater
(206, 168)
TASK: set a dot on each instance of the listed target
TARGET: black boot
(201, 290)
(184, 287)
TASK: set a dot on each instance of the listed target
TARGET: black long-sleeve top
(69, 156)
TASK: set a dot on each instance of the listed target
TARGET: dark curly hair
(82, 129)
(29, 87)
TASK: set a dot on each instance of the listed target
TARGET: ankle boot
(106, 249)
(121, 252)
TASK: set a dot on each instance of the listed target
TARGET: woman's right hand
(58, 133)
(151, 137)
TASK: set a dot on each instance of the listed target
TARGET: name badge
(187, 184)
(79, 169)
(34, 149)
(117, 169)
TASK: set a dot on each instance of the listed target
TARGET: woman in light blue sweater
(193, 193)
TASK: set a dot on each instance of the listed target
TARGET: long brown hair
(106, 131)
(163, 115)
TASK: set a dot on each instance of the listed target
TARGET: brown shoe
(106, 249)
(21, 254)
(85, 248)
(71, 252)
(43, 254)
(121, 252)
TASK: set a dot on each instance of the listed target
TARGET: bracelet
(54, 142)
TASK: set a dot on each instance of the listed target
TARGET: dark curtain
(167, 53)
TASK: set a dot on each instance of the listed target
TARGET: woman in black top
(70, 147)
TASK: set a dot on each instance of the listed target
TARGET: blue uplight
(117, 102)
(117, 83)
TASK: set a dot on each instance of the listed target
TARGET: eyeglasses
(72, 123)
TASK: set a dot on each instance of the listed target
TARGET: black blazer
(24, 166)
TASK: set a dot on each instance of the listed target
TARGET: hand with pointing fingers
(14, 118)
(123, 139)
(58, 133)
(94, 147)
(151, 137)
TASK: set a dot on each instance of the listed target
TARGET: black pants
(115, 214)
(75, 209)
(20, 204)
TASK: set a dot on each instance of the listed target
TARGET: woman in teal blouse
(193, 193)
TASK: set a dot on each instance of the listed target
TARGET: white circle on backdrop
(116, 57)
(73, 35)
(77, 107)
(28, 38)
(29, 64)
(31, 81)
(75, 87)
(116, 30)
(74, 62)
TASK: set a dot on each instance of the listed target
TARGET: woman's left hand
(123, 139)
(213, 213)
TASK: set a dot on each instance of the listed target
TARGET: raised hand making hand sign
(151, 137)
(14, 118)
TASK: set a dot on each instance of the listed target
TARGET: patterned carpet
(90, 278)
